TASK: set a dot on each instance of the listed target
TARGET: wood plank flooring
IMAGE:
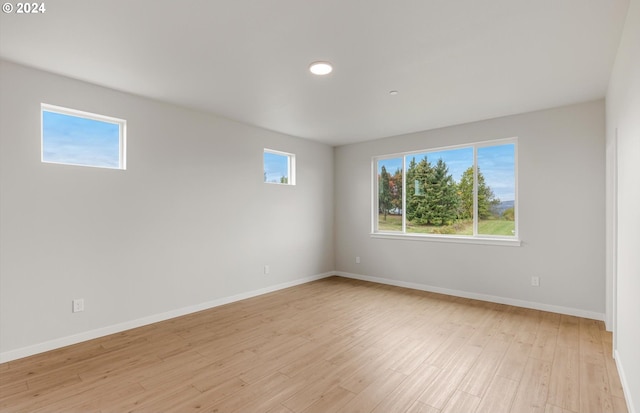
(334, 345)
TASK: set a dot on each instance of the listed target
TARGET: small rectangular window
(73, 137)
(279, 167)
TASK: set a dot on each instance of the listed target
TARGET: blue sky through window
(76, 140)
(457, 160)
(275, 167)
(497, 164)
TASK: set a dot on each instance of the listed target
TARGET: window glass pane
(496, 190)
(390, 194)
(440, 192)
(276, 168)
(78, 140)
(462, 191)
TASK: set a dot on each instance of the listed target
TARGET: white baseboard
(117, 328)
(477, 296)
(625, 384)
(128, 325)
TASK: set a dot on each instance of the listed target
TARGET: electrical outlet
(535, 281)
(357, 260)
(266, 269)
(78, 305)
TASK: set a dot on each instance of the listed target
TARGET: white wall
(189, 222)
(623, 114)
(562, 210)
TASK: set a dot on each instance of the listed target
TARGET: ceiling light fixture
(393, 92)
(320, 68)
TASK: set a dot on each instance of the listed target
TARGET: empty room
(289, 206)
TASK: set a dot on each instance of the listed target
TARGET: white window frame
(291, 166)
(468, 239)
(122, 132)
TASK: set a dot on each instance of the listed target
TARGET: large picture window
(464, 191)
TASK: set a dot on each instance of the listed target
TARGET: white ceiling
(452, 61)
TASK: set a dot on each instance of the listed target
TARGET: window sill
(279, 183)
(460, 239)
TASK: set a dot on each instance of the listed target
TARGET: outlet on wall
(357, 260)
(266, 269)
(535, 281)
(78, 305)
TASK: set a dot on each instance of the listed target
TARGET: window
(463, 192)
(79, 138)
(279, 167)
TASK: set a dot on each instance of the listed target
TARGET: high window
(279, 167)
(455, 192)
(80, 138)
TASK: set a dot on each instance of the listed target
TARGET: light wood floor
(334, 345)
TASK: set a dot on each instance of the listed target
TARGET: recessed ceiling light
(393, 92)
(320, 68)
